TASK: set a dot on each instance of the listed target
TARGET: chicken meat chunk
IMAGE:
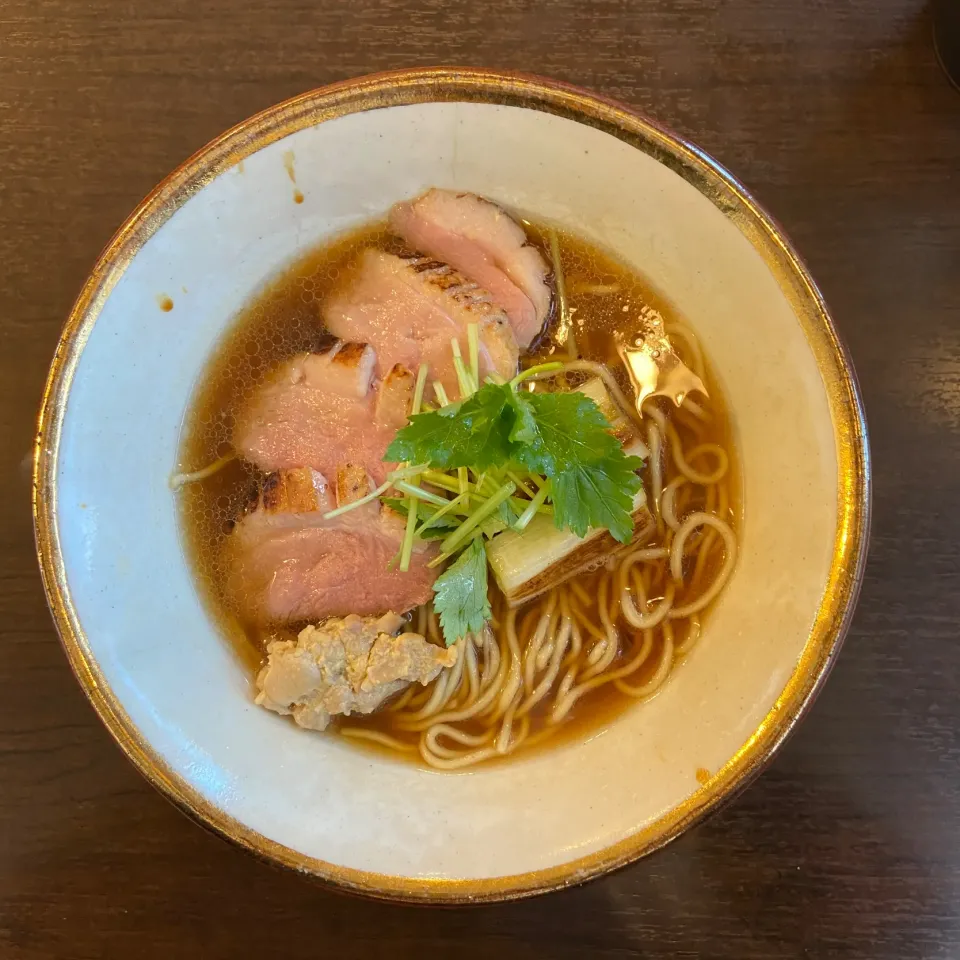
(345, 666)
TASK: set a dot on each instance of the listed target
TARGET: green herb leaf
(474, 433)
(562, 436)
(594, 482)
(570, 429)
(525, 425)
(597, 495)
(500, 520)
(461, 594)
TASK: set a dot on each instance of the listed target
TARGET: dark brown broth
(283, 319)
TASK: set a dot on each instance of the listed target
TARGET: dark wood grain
(836, 115)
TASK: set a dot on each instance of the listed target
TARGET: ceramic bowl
(145, 649)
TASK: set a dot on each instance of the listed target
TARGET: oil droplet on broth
(164, 302)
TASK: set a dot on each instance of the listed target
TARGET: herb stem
(442, 512)
(524, 519)
(552, 367)
(513, 476)
(441, 480)
(411, 490)
(520, 504)
(476, 518)
(407, 549)
(405, 473)
(441, 393)
(418, 390)
(473, 346)
(467, 387)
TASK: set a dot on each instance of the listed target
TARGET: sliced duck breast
(411, 308)
(287, 562)
(321, 410)
(483, 242)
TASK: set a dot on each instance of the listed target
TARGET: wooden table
(837, 116)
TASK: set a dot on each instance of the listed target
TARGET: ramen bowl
(148, 653)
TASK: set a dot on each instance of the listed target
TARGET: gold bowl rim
(701, 171)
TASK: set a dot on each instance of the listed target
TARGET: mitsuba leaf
(461, 594)
(473, 434)
(524, 428)
(562, 436)
(569, 430)
(597, 495)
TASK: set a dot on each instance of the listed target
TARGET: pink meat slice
(317, 413)
(410, 309)
(287, 563)
(487, 245)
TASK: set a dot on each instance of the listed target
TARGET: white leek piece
(527, 564)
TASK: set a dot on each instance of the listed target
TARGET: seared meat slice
(288, 493)
(346, 666)
(353, 483)
(345, 369)
(410, 309)
(288, 563)
(322, 410)
(395, 397)
(487, 245)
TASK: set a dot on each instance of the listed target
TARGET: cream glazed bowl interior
(145, 649)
